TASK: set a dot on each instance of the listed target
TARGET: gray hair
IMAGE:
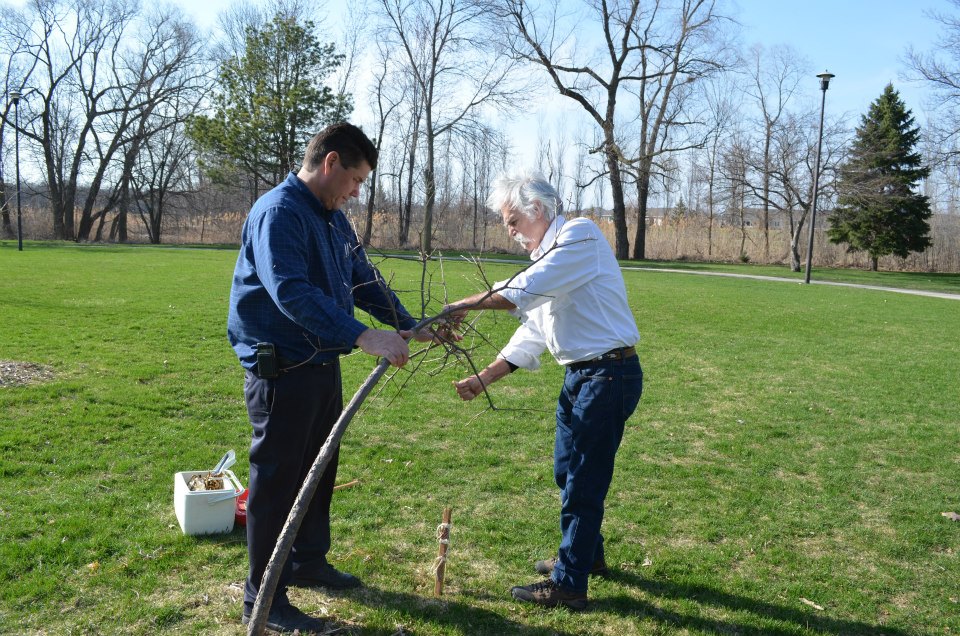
(520, 192)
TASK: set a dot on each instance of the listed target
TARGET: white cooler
(205, 511)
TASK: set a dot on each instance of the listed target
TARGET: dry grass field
(688, 239)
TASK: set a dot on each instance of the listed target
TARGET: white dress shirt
(571, 300)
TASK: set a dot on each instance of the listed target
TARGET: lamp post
(15, 96)
(825, 78)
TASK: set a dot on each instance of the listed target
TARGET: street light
(15, 96)
(825, 78)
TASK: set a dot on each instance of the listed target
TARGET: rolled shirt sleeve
(525, 346)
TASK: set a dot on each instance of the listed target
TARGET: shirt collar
(315, 204)
(549, 238)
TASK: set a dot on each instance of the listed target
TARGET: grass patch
(792, 443)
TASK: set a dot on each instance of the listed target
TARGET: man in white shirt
(572, 301)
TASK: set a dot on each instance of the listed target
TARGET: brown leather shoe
(546, 566)
(549, 594)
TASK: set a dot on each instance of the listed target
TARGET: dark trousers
(291, 416)
(594, 404)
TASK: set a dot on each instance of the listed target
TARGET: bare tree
(475, 153)
(164, 167)
(939, 68)
(655, 46)
(579, 171)
(411, 144)
(774, 77)
(721, 108)
(455, 71)
(72, 46)
(15, 71)
(792, 163)
(678, 45)
(734, 168)
(534, 37)
(384, 106)
(160, 79)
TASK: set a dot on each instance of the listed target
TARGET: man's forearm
(484, 300)
(494, 371)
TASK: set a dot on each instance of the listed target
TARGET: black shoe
(326, 576)
(599, 568)
(549, 594)
(288, 618)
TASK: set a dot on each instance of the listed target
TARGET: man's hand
(469, 388)
(455, 313)
(438, 333)
(424, 335)
(387, 344)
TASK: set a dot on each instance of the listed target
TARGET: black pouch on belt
(267, 366)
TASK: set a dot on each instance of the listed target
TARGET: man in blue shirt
(300, 273)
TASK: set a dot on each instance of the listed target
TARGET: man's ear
(541, 213)
(328, 162)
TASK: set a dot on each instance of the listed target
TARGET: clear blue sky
(863, 42)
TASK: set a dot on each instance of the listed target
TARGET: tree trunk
(643, 195)
(795, 233)
(408, 208)
(99, 235)
(476, 212)
(766, 193)
(122, 224)
(622, 247)
(430, 188)
(7, 226)
(400, 206)
(368, 224)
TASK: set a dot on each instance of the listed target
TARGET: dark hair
(346, 140)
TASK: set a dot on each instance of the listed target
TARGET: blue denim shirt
(299, 274)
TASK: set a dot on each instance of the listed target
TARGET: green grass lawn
(784, 473)
(928, 281)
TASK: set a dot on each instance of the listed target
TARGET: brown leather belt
(614, 354)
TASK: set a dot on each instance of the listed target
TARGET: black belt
(618, 355)
(289, 365)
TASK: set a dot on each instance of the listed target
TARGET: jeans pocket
(259, 394)
(632, 390)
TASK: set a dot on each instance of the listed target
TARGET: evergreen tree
(268, 103)
(878, 209)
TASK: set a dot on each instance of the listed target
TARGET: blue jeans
(595, 403)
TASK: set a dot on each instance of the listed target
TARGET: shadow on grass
(464, 618)
(707, 596)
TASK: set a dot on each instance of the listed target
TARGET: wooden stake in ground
(443, 537)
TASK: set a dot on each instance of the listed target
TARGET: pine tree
(269, 102)
(878, 209)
